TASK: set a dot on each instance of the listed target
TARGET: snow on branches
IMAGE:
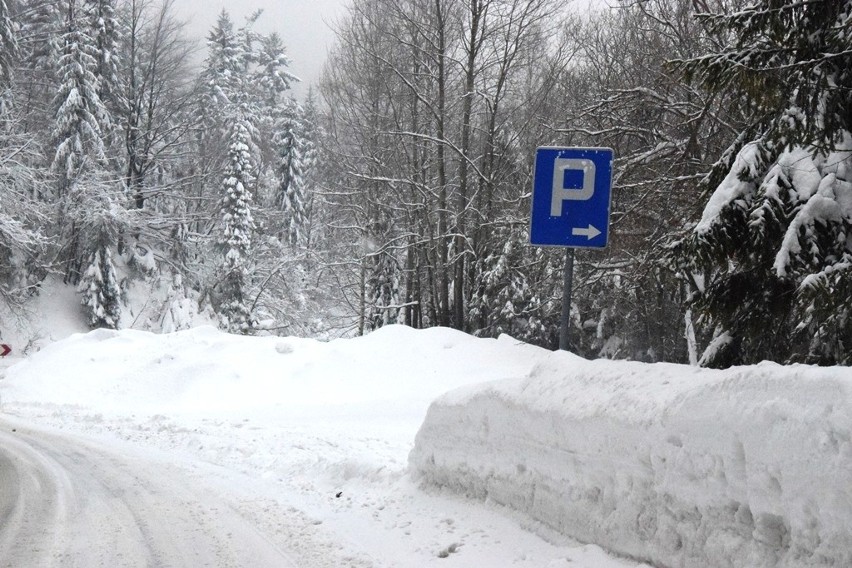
(776, 234)
(237, 228)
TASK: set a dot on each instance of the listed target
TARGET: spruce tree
(271, 77)
(772, 247)
(42, 26)
(88, 211)
(382, 286)
(223, 84)
(292, 198)
(238, 100)
(81, 117)
(508, 298)
(310, 138)
(103, 28)
(225, 65)
(41, 31)
(238, 225)
(100, 289)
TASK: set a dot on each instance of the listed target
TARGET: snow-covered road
(200, 448)
(71, 503)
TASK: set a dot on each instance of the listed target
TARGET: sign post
(570, 208)
(4, 349)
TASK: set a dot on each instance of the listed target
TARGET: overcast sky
(302, 24)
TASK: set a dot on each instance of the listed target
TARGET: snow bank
(284, 406)
(679, 466)
(204, 371)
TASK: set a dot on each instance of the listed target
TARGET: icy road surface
(64, 502)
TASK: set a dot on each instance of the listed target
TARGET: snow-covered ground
(308, 441)
(327, 449)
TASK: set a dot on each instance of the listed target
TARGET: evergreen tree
(81, 117)
(292, 198)
(226, 63)
(510, 297)
(103, 27)
(22, 238)
(246, 39)
(237, 231)
(41, 35)
(384, 285)
(310, 137)
(772, 245)
(224, 88)
(37, 84)
(271, 77)
(100, 290)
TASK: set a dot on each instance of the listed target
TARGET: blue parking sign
(571, 197)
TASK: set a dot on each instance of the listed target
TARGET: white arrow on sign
(589, 233)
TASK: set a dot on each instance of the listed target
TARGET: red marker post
(4, 349)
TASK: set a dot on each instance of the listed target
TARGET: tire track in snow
(64, 502)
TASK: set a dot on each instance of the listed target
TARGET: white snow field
(749, 467)
(198, 448)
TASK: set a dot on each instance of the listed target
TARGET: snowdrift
(396, 371)
(679, 466)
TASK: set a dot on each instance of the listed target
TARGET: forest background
(398, 190)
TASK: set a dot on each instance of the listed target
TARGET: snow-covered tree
(39, 40)
(81, 117)
(271, 77)
(92, 216)
(383, 280)
(41, 33)
(100, 290)
(237, 228)
(103, 27)
(311, 134)
(223, 90)
(241, 143)
(225, 67)
(8, 54)
(22, 219)
(510, 295)
(158, 91)
(292, 191)
(774, 238)
(41, 28)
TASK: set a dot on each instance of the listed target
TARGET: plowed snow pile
(749, 467)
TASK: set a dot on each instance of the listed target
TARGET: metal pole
(567, 283)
